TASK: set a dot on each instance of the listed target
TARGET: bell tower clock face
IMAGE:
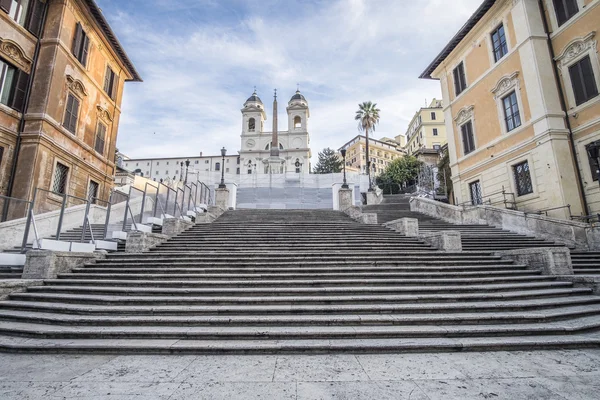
(250, 143)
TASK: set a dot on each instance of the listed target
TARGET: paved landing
(573, 374)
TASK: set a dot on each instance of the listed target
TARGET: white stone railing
(571, 233)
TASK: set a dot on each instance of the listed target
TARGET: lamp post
(181, 172)
(222, 184)
(298, 164)
(345, 184)
(187, 165)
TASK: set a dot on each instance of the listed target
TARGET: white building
(294, 152)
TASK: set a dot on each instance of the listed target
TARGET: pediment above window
(12, 51)
(506, 84)
(76, 86)
(104, 114)
(576, 47)
(466, 113)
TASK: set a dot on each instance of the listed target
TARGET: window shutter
(115, 83)
(5, 5)
(577, 82)
(67, 121)
(19, 91)
(34, 23)
(77, 39)
(589, 82)
(107, 80)
(463, 78)
(74, 114)
(456, 83)
(86, 47)
(572, 8)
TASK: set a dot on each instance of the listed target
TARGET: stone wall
(570, 233)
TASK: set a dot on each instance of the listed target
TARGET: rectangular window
(227, 170)
(476, 196)
(565, 10)
(110, 83)
(93, 192)
(249, 172)
(594, 167)
(100, 137)
(61, 174)
(433, 116)
(13, 85)
(17, 10)
(217, 166)
(467, 137)
(460, 80)
(583, 80)
(499, 43)
(71, 114)
(523, 178)
(435, 132)
(81, 45)
(511, 112)
(1, 154)
(237, 171)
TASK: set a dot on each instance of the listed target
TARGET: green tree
(367, 117)
(445, 173)
(328, 162)
(401, 172)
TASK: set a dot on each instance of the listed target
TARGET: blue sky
(200, 60)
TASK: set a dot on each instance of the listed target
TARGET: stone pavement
(573, 375)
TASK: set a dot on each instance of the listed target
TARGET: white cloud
(198, 73)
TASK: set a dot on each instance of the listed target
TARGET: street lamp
(181, 172)
(345, 184)
(187, 165)
(222, 184)
(298, 164)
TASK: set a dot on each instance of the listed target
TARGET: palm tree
(367, 117)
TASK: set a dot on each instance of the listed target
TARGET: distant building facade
(426, 133)
(62, 74)
(381, 154)
(520, 87)
(174, 168)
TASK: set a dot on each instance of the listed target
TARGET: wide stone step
(186, 280)
(448, 303)
(196, 273)
(497, 268)
(582, 324)
(432, 318)
(128, 289)
(320, 346)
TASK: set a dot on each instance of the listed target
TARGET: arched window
(297, 122)
(251, 124)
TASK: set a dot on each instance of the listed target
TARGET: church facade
(275, 152)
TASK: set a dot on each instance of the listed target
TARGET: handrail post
(143, 202)
(126, 209)
(85, 218)
(167, 201)
(107, 221)
(28, 224)
(175, 206)
(62, 214)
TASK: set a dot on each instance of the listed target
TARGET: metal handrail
(545, 210)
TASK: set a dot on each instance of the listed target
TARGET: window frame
(464, 150)
(514, 114)
(66, 184)
(433, 116)
(493, 48)
(576, 50)
(470, 191)
(100, 124)
(111, 81)
(458, 92)
(504, 87)
(556, 3)
(514, 175)
(90, 182)
(580, 76)
(75, 98)
(554, 18)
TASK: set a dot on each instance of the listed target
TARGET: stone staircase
(479, 237)
(291, 281)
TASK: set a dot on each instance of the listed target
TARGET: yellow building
(426, 131)
(381, 154)
(520, 92)
(62, 76)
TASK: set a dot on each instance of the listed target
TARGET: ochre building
(62, 73)
(520, 92)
